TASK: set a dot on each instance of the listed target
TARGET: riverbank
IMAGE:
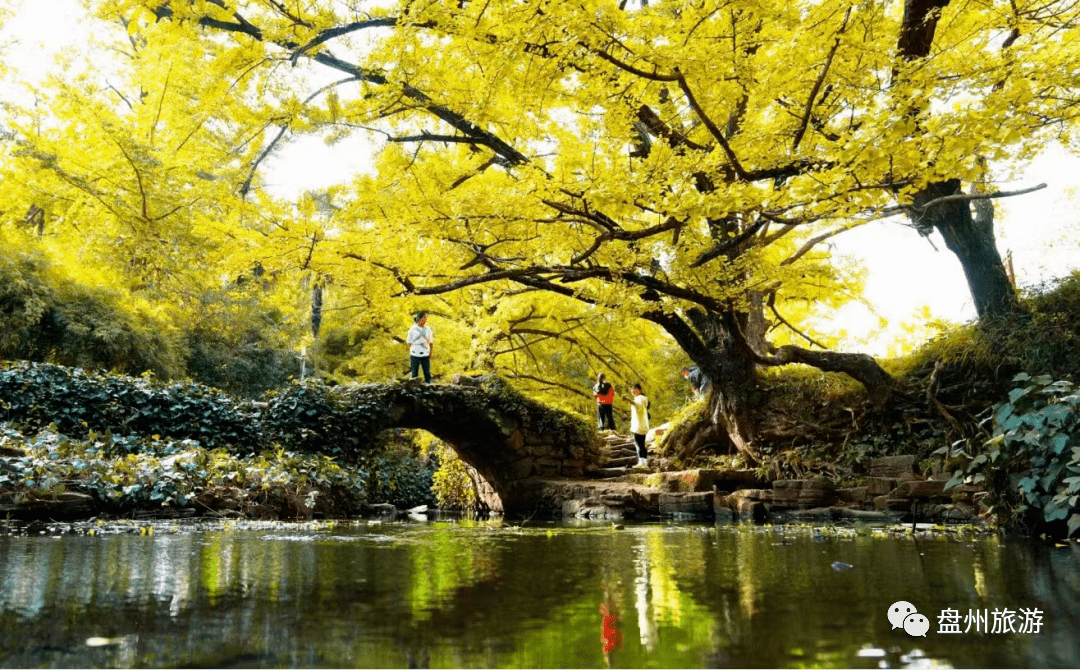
(964, 446)
(992, 404)
(51, 477)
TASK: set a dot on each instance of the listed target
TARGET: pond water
(452, 594)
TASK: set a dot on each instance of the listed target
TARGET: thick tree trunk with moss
(728, 424)
(734, 410)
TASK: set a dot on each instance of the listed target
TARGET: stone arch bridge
(512, 442)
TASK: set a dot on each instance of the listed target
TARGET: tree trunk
(720, 345)
(972, 240)
(728, 420)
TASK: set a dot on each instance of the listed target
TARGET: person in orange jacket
(604, 393)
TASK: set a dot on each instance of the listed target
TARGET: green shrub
(247, 366)
(242, 340)
(305, 416)
(37, 395)
(1031, 465)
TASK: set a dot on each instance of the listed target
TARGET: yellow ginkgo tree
(674, 162)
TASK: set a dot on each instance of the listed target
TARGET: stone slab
(738, 507)
(894, 467)
(815, 484)
(698, 504)
(699, 480)
(857, 495)
(838, 513)
(921, 490)
(879, 486)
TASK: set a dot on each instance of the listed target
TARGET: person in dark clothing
(604, 393)
(699, 381)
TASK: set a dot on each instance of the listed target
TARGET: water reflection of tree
(470, 596)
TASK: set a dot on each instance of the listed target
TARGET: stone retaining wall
(740, 495)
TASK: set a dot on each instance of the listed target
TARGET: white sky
(905, 272)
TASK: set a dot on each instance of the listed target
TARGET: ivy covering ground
(125, 473)
(134, 444)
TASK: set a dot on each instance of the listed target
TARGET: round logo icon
(916, 625)
(898, 611)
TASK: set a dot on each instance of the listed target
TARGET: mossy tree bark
(721, 346)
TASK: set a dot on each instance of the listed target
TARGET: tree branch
(714, 130)
(730, 243)
(425, 136)
(967, 197)
(246, 186)
(138, 178)
(860, 367)
(401, 278)
(652, 76)
(772, 307)
(547, 382)
(814, 241)
(331, 33)
(817, 84)
(454, 119)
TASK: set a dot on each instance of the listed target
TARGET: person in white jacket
(639, 422)
(420, 342)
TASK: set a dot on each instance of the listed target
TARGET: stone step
(609, 473)
(701, 479)
(621, 453)
(620, 462)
